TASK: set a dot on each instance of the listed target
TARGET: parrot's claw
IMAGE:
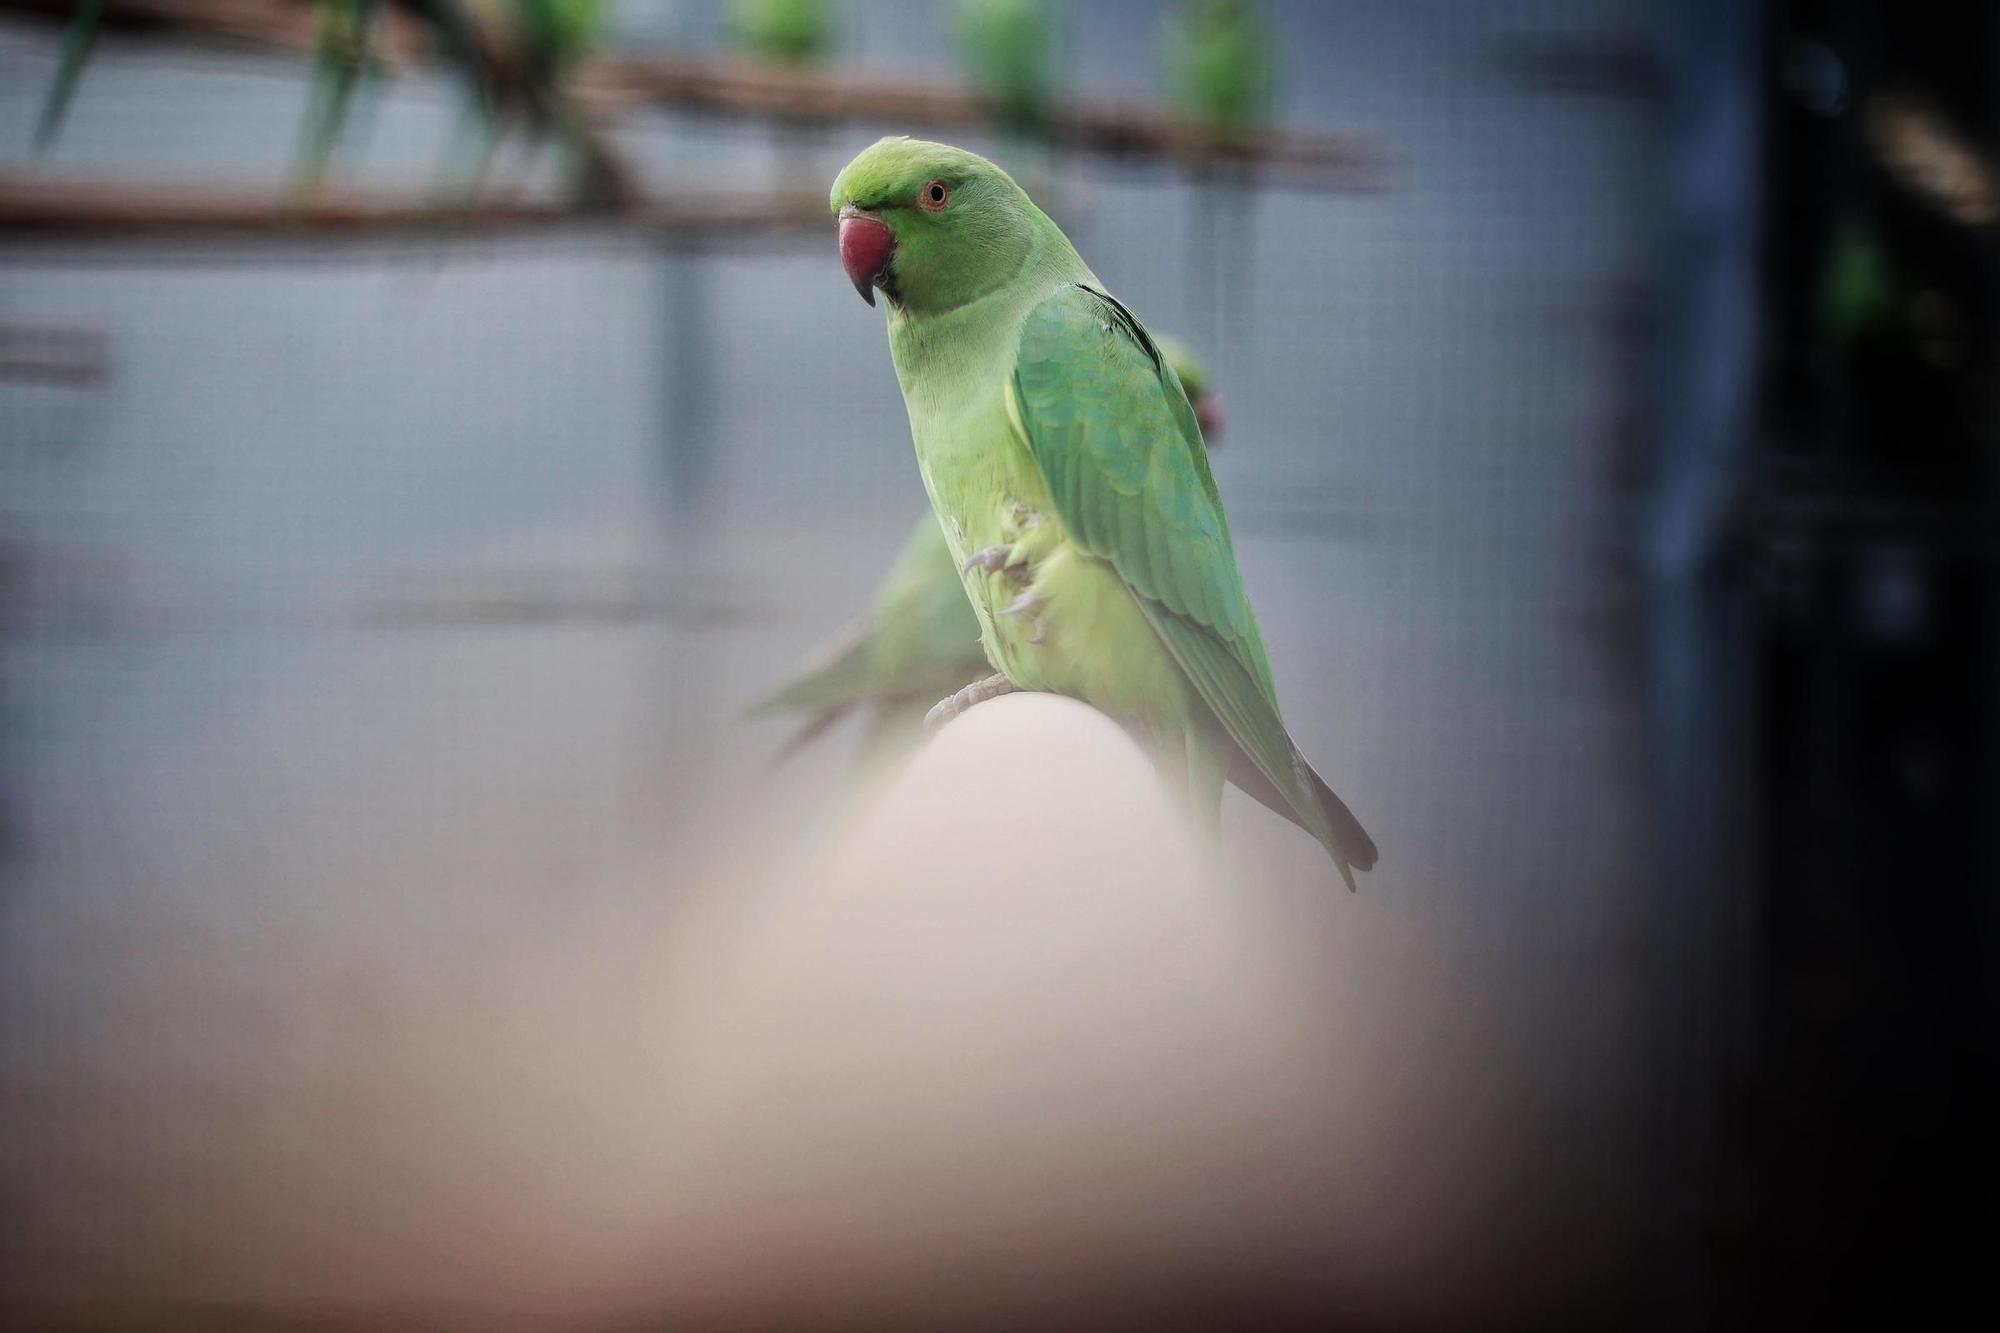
(1026, 603)
(978, 692)
(995, 560)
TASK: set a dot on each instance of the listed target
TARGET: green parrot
(1070, 478)
(918, 639)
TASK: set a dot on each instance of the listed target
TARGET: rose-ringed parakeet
(1071, 481)
(918, 639)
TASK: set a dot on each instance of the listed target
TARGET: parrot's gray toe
(978, 692)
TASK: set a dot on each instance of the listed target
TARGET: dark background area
(1866, 546)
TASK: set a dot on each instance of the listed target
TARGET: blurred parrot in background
(514, 56)
(529, 49)
(787, 32)
(343, 52)
(556, 32)
(1220, 63)
(1009, 48)
(1068, 473)
(919, 639)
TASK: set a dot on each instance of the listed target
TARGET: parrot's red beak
(866, 244)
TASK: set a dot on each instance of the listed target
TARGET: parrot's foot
(998, 560)
(978, 692)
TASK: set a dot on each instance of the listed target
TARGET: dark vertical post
(1697, 667)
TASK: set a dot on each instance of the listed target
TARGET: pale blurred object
(1934, 159)
(1009, 1047)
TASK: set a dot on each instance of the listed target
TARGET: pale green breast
(981, 482)
(1082, 633)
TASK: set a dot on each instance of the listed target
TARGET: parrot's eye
(933, 197)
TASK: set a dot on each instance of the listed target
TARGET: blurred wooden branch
(734, 87)
(40, 207)
(394, 41)
(727, 86)
(285, 25)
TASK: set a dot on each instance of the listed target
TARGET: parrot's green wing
(1105, 418)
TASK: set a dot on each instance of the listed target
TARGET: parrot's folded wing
(1108, 423)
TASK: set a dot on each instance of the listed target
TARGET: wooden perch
(735, 87)
(283, 25)
(38, 207)
(729, 86)
(395, 42)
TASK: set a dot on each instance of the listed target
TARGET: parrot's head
(930, 226)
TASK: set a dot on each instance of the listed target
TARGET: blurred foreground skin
(919, 639)
(1066, 467)
(930, 1087)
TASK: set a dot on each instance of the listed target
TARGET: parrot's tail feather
(1351, 843)
(1346, 841)
(838, 677)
